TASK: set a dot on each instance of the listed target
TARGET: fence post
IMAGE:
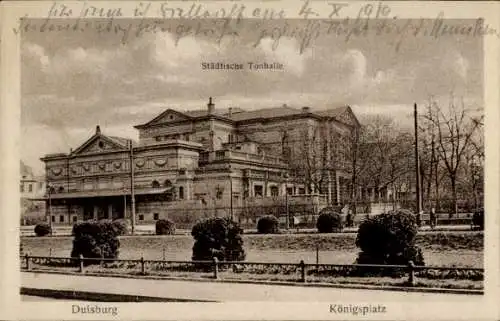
(302, 271)
(411, 273)
(80, 261)
(216, 268)
(143, 268)
(27, 261)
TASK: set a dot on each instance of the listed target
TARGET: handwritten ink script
(229, 21)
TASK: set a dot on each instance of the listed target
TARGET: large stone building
(226, 158)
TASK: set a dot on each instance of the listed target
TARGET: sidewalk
(170, 290)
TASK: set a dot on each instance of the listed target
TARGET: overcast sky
(74, 81)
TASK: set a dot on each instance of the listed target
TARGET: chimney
(98, 130)
(210, 106)
(306, 109)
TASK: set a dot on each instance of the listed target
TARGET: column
(110, 211)
(95, 212)
(337, 189)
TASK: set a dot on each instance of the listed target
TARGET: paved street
(223, 292)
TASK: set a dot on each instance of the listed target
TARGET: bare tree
(455, 129)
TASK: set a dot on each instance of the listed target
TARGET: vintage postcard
(249, 160)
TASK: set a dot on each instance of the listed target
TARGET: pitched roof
(333, 112)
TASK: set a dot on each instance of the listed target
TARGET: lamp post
(417, 165)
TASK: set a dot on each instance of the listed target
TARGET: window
(75, 218)
(186, 137)
(158, 138)
(22, 188)
(302, 190)
(61, 218)
(141, 217)
(40, 185)
(257, 190)
(181, 192)
(156, 216)
(53, 218)
(274, 191)
(171, 117)
(168, 183)
(289, 190)
(155, 184)
(61, 189)
(30, 188)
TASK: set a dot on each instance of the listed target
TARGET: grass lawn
(440, 249)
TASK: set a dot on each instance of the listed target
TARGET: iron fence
(297, 272)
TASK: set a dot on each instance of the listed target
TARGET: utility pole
(417, 164)
(132, 191)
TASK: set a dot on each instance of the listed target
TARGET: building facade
(32, 189)
(202, 159)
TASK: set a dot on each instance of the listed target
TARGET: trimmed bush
(217, 237)
(42, 229)
(268, 224)
(329, 221)
(96, 239)
(389, 239)
(164, 227)
(121, 226)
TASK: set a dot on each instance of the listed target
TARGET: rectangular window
(155, 216)
(75, 219)
(22, 188)
(158, 138)
(61, 218)
(258, 190)
(30, 188)
(289, 190)
(53, 218)
(141, 217)
(302, 190)
(181, 192)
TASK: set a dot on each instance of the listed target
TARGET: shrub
(389, 239)
(478, 219)
(164, 227)
(42, 229)
(95, 239)
(217, 237)
(329, 221)
(268, 224)
(121, 226)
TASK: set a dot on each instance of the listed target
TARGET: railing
(297, 272)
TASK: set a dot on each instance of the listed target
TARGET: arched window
(155, 184)
(274, 191)
(181, 192)
(167, 183)
(61, 189)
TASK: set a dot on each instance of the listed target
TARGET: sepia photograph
(206, 157)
